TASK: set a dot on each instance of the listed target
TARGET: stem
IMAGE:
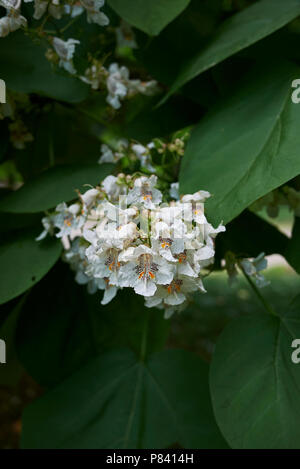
(265, 303)
(69, 24)
(41, 28)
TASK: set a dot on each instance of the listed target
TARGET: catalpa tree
(140, 143)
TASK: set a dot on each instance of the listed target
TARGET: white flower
(89, 197)
(110, 291)
(167, 240)
(125, 36)
(174, 190)
(253, 268)
(48, 224)
(108, 155)
(65, 51)
(148, 88)
(119, 85)
(10, 5)
(116, 83)
(188, 263)
(113, 187)
(119, 215)
(55, 9)
(104, 264)
(67, 219)
(94, 15)
(174, 293)
(144, 192)
(143, 269)
(40, 8)
(144, 155)
(94, 75)
(73, 10)
(200, 196)
(11, 22)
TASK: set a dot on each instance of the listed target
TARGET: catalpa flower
(119, 85)
(94, 15)
(143, 270)
(253, 268)
(120, 235)
(67, 219)
(144, 193)
(41, 6)
(11, 22)
(65, 51)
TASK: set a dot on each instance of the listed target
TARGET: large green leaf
(121, 401)
(24, 262)
(292, 252)
(238, 32)
(150, 17)
(247, 145)
(25, 69)
(254, 383)
(61, 326)
(53, 186)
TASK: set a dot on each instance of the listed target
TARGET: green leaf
(254, 383)
(181, 39)
(53, 186)
(247, 145)
(150, 123)
(150, 17)
(61, 326)
(119, 401)
(238, 32)
(292, 253)
(25, 69)
(24, 262)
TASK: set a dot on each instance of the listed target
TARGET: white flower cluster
(118, 83)
(124, 148)
(144, 154)
(13, 19)
(55, 8)
(120, 234)
(116, 78)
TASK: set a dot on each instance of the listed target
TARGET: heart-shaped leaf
(238, 32)
(255, 384)
(53, 186)
(61, 326)
(24, 261)
(246, 146)
(121, 401)
(150, 17)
